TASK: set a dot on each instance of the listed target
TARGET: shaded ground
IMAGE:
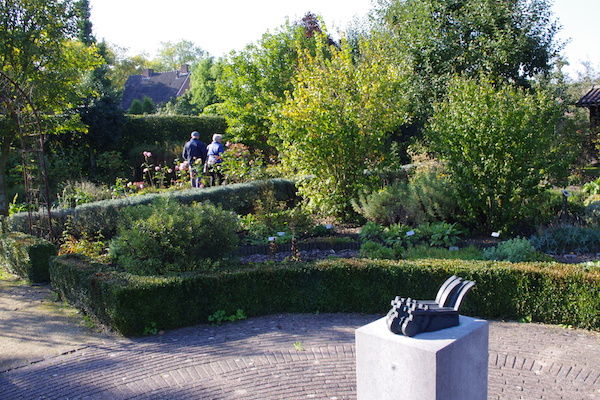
(34, 326)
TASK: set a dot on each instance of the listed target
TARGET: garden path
(294, 356)
(33, 326)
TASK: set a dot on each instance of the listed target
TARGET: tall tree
(171, 55)
(204, 77)
(39, 52)
(84, 23)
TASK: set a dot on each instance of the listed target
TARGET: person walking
(194, 152)
(214, 160)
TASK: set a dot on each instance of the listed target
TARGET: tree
(335, 122)
(203, 79)
(502, 145)
(254, 82)
(148, 106)
(171, 56)
(38, 51)
(136, 107)
(84, 24)
(509, 41)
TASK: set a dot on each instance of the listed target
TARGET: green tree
(254, 82)
(148, 106)
(502, 145)
(510, 41)
(40, 53)
(203, 79)
(171, 56)
(84, 23)
(136, 107)
(335, 124)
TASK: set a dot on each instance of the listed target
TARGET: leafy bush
(78, 193)
(548, 292)
(592, 188)
(102, 217)
(561, 239)
(514, 250)
(425, 251)
(26, 256)
(371, 232)
(502, 146)
(376, 251)
(592, 212)
(440, 233)
(161, 128)
(165, 237)
(396, 236)
(385, 206)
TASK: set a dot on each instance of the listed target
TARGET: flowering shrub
(240, 165)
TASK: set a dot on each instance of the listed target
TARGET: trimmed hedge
(161, 128)
(102, 216)
(546, 292)
(26, 256)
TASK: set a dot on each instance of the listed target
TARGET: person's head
(195, 135)
(217, 138)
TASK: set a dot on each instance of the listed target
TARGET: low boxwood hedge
(26, 256)
(545, 292)
(102, 216)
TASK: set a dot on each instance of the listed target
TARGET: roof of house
(159, 86)
(591, 98)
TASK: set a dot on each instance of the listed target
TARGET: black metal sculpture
(409, 316)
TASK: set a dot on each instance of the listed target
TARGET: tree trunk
(3, 194)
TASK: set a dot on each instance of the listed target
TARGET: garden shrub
(591, 214)
(514, 250)
(26, 256)
(503, 146)
(161, 128)
(425, 251)
(426, 197)
(376, 250)
(166, 237)
(546, 292)
(102, 217)
(564, 238)
(77, 193)
(440, 233)
(371, 232)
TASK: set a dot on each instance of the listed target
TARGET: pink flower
(170, 170)
(145, 169)
(177, 168)
(142, 186)
(147, 154)
(157, 168)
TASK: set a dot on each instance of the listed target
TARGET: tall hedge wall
(551, 293)
(102, 216)
(26, 256)
(156, 128)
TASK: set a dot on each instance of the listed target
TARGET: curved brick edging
(257, 359)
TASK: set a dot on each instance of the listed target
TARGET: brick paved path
(292, 357)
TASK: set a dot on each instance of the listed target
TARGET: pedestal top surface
(431, 341)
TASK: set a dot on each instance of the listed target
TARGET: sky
(219, 26)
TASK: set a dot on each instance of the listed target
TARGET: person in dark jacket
(194, 152)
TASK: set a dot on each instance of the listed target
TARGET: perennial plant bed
(130, 304)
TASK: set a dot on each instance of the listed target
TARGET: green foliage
(253, 83)
(371, 232)
(563, 239)
(375, 250)
(426, 252)
(426, 197)
(220, 316)
(172, 55)
(148, 106)
(291, 222)
(334, 125)
(149, 129)
(592, 212)
(514, 250)
(136, 107)
(501, 145)
(76, 193)
(592, 188)
(240, 165)
(203, 81)
(440, 234)
(397, 235)
(165, 237)
(26, 256)
(102, 217)
(548, 292)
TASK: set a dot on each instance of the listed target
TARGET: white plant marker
(453, 248)
(329, 226)
(272, 238)
(410, 233)
(280, 233)
(495, 234)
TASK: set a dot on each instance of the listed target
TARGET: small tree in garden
(148, 106)
(503, 145)
(136, 107)
(334, 125)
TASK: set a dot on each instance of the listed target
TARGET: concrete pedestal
(451, 364)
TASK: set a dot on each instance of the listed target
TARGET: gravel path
(294, 356)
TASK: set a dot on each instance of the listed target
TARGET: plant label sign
(280, 233)
(272, 238)
(410, 233)
(495, 234)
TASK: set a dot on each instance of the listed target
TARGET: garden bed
(130, 304)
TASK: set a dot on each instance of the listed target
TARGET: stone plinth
(451, 364)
